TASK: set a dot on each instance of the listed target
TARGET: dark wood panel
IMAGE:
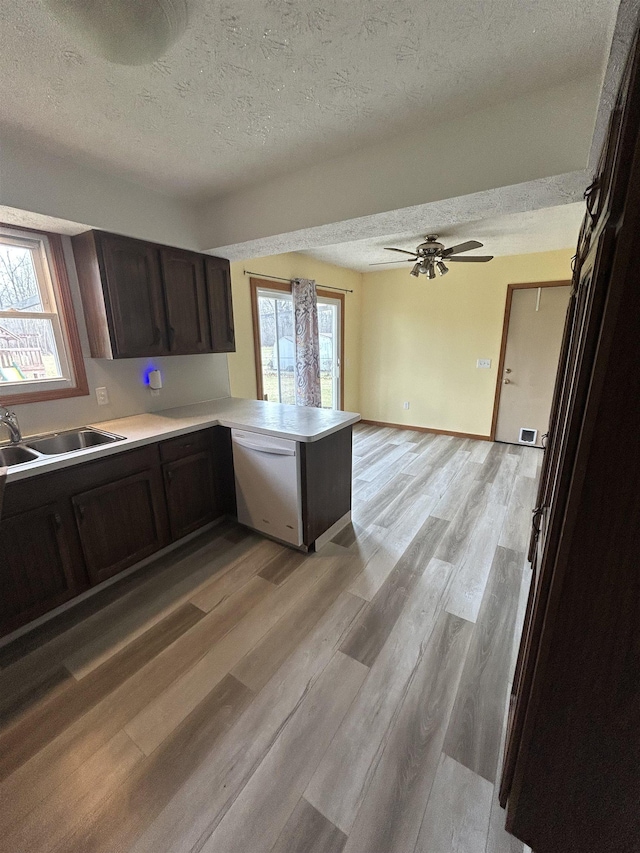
(186, 301)
(223, 464)
(474, 733)
(190, 489)
(218, 277)
(326, 482)
(374, 626)
(121, 522)
(131, 274)
(185, 445)
(37, 569)
(45, 722)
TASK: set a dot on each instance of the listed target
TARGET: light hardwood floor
(239, 696)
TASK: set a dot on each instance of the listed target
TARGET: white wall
(187, 379)
(33, 180)
(540, 135)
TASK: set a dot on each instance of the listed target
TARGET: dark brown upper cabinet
(142, 299)
(186, 301)
(218, 278)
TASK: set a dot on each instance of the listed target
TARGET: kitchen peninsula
(73, 520)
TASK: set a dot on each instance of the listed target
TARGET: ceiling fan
(431, 255)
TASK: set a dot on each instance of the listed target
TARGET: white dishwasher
(267, 473)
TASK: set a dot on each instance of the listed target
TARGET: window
(40, 355)
(275, 346)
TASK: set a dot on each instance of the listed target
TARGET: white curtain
(307, 343)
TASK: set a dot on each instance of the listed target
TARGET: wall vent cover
(528, 436)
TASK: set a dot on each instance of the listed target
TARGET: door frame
(503, 343)
(264, 284)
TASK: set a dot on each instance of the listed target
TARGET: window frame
(257, 284)
(58, 289)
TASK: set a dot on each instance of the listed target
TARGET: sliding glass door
(275, 345)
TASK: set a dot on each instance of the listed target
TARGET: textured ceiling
(258, 87)
(515, 234)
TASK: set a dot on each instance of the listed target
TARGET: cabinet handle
(535, 530)
(81, 512)
(172, 336)
(169, 477)
(157, 335)
(57, 520)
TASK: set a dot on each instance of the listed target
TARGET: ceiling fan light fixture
(431, 273)
(417, 269)
(123, 31)
(443, 269)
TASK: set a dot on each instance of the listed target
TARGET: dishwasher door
(267, 473)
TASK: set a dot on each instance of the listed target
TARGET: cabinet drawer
(185, 445)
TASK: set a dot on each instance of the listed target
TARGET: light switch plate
(102, 396)
(484, 363)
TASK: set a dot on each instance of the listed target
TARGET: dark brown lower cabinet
(103, 516)
(121, 523)
(326, 482)
(191, 493)
(36, 569)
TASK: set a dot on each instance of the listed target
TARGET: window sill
(42, 396)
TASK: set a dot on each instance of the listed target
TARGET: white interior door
(534, 337)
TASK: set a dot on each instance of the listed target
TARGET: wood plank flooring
(239, 697)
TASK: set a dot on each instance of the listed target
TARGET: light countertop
(293, 422)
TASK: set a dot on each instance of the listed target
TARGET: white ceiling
(514, 234)
(256, 88)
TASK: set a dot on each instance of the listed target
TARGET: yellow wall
(421, 340)
(408, 339)
(242, 372)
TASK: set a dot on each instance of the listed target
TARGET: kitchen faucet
(10, 420)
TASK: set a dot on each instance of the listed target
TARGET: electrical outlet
(405, 405)
(102, 396)
(484, 363)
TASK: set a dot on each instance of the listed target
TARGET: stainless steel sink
(15, 454)
(73, 439)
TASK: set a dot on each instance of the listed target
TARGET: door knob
(507, 370)
(506, 381)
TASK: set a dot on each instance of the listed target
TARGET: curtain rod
(279, 278)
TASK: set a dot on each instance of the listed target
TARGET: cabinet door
(134, 289)
(35, 571)
(186, 301)
(220, 305)
(191, 493)
(120, 523)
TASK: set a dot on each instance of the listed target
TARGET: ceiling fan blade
(404, 251)
(399, 261)
(462, 247)
(472, 259)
